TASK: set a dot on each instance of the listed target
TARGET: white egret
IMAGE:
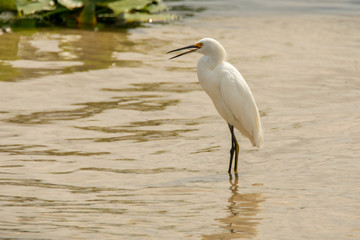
(228, 91)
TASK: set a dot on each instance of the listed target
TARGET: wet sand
(137, 151)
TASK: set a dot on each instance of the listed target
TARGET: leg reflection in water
(241, 221)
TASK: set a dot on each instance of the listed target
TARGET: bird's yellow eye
(199, 45)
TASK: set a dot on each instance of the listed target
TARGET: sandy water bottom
(137, 151)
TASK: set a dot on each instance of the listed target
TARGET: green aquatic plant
(81, 13)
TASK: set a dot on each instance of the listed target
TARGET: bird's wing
(238, 98)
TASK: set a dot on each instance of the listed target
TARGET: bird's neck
(216, 58)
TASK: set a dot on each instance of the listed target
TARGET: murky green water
(103, 138)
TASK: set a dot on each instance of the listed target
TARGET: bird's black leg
(236, 145)
(233, 147)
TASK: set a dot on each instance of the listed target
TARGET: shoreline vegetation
(90, 14)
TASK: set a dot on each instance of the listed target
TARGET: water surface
(103, 138)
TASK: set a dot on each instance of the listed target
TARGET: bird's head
(206, 46)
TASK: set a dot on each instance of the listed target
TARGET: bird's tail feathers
(258, 139)
(258, 136)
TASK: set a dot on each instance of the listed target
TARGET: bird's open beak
(192, 47)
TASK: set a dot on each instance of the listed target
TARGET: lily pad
(32, 6)
(124, 6)
(71, 4)
(156, 6)
(8, 5)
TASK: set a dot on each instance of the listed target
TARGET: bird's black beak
(192, 47)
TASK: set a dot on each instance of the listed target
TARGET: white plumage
(229, 92)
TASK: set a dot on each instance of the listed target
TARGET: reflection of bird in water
(241, 221)
(229, 92)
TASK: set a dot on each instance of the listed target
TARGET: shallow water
(103, 138)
